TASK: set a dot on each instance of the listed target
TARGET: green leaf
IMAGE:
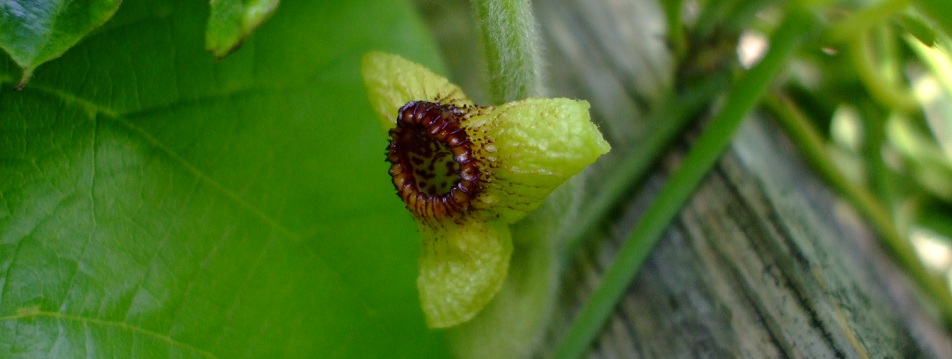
(231, 21)
(938, 11)
(157, 203)
(916, 26)
(926, 161)
(34, 32)
(936, 218)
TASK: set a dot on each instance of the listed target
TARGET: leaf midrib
(92, 108)
(108, 323)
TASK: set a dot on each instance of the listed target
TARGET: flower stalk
(507, 30)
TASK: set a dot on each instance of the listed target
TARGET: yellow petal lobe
(392, 81)
(535, 146)
(462, 266)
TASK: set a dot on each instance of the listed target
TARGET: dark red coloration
(427, 138)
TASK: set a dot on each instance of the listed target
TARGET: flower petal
(462, 266)
(535, 145)
(392, 81)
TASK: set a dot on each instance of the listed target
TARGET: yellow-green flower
(467, 172)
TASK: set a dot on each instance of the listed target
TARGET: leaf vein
(92, 232)
(109, 323)
(122, 120)
(198, 173)
(166, 238)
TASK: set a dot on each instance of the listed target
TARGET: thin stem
(938, 61)
(857, 24)
(810, 143)
(508, 32)
(891, 95)
(671, 117)
(796, 26)
(672, 14)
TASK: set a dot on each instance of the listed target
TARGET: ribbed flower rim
(429, 149)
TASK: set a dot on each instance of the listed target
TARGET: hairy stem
(507, 30)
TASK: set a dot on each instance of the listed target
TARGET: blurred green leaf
(924, 159)
(34, 32)
(934, 91)
(918, 28)
(937, 218)
(938, 11)
(155, 203)
(231, 21)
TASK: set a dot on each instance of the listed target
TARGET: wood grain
(763, 262)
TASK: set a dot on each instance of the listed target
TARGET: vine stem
(796, 26)
(507, 30)
(890, 94)
(863, 20)
(673, 115)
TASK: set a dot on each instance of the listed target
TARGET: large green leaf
(34, 32)
(155, 203)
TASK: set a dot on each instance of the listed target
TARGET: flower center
(431, 160)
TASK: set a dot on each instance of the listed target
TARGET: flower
(466, 172)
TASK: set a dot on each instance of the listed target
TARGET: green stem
(890, 95)
(672, 14)
(810, 142)
(671, 117)
(507, 30)
(865, 19)
(797, 25)
(938, 61)
(938, 11)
